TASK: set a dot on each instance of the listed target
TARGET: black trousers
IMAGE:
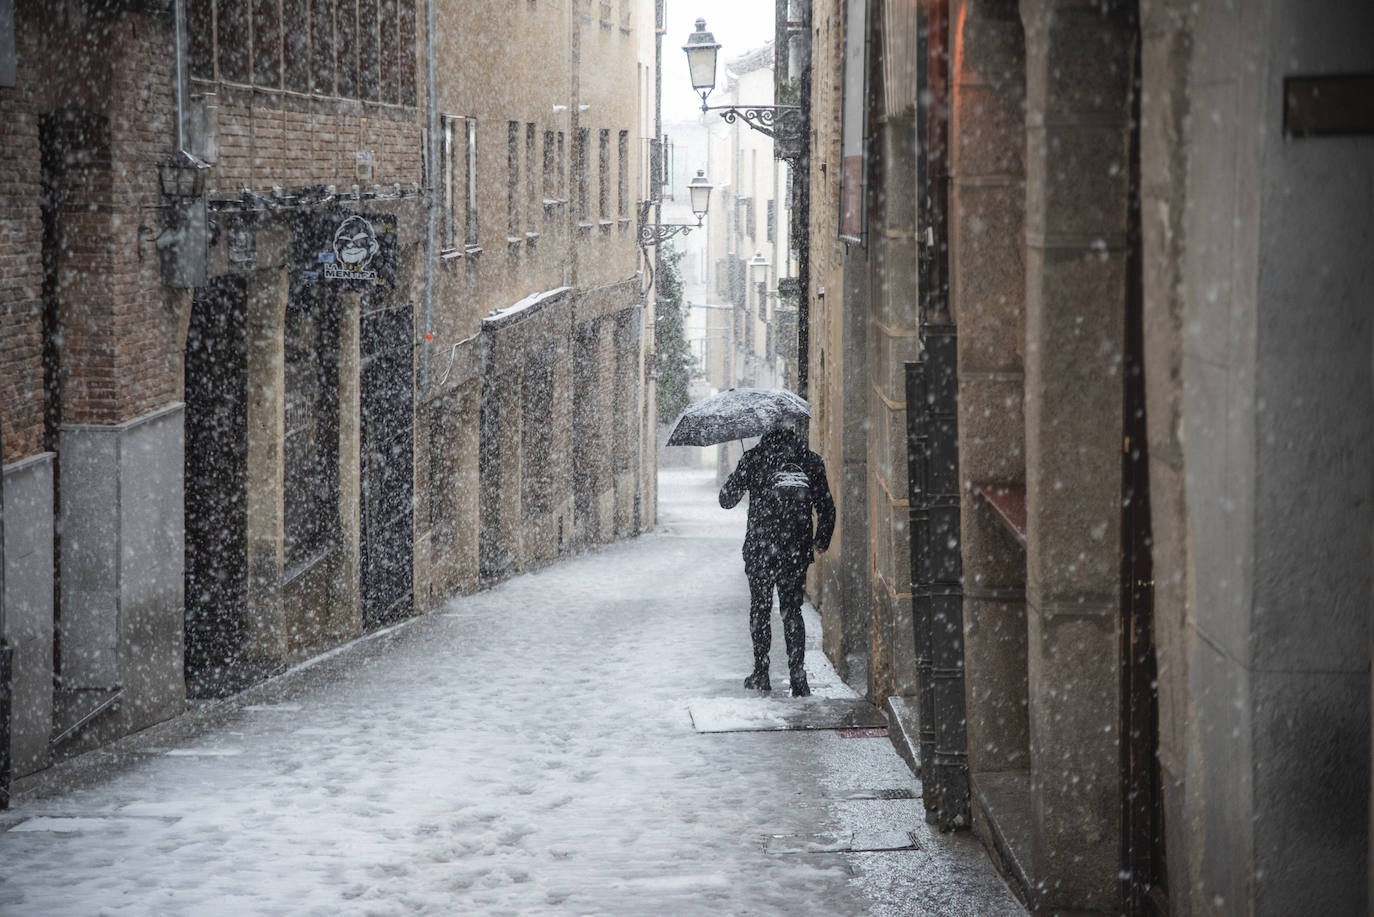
(790, 586)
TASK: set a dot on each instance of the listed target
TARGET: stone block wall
(893, 341)
(987, 293)
(1077, 166)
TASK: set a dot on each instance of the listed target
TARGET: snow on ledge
(501, 318)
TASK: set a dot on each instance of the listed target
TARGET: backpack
(791, 486)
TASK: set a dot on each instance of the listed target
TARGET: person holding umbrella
(786, 484)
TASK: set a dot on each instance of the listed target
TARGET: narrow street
(528, 750)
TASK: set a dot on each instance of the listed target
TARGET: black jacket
(780, 538)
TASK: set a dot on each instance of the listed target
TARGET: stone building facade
(1133, 235)
(315, 315)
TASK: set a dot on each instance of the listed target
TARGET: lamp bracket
(781, 122)
(659, 233)
(651, 234)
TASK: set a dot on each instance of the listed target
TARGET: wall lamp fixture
(781, 122)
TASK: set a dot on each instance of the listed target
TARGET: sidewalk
(532, 749)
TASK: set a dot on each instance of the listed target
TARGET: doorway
(387, 462)
(216, 464)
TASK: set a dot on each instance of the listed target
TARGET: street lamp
(654, 234)
(701, 51)
(787, 125)
(700, 190)
(781, 122)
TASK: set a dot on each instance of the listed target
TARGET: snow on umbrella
(737, 413)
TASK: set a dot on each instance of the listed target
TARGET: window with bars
(584, 137)
(350, 49)
(604, 175)
(549, 188)
(531, 182)
(623, 176)
(451, 135)
(512, 178)
(472, 236)
(561, 169)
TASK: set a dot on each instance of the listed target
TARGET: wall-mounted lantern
(699, 188)
(781, 122)
(184, 244)
(701, 51)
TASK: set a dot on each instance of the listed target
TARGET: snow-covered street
(530, 749)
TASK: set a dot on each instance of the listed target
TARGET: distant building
(749, 244)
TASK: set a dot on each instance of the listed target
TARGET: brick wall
(119, 334)
(21, 267)
(289, 142)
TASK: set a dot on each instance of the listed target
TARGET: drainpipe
(649, 438)
(801, 177)
(431, 210)
(178, 42)
(6, 667)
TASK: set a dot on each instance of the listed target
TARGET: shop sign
(350, 250)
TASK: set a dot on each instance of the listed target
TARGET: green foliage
(675, 360)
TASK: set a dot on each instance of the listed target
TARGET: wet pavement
(575, 741)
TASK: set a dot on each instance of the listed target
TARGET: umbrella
(737, 413)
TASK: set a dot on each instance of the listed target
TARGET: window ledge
(584, 227)
(472, 250)
(605, 225)
(531, 238)
(450, 254)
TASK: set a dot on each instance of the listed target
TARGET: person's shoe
(758, 681)
(800, 688)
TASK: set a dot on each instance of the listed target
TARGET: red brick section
(264, 146)
(119, 335)
(21, 266)
(120, 338)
